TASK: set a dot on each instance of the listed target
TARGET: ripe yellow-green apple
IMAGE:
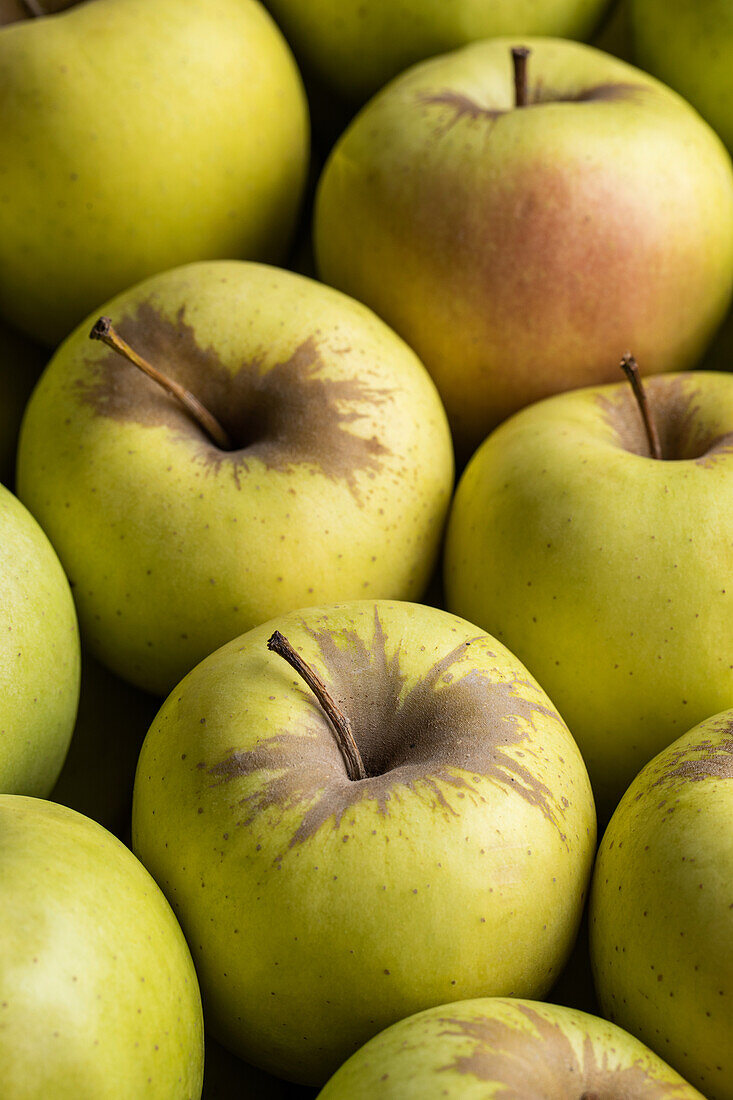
(21, 363)
(98, 993)
(414, 824)
(519, 249)
(662, 907)
(606, 571)
(136, 135)
(689, 45)
(355, 48)
(99, 769)
(334, 481)
(517, 1049)
(39, 655)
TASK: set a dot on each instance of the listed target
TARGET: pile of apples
(376, 723)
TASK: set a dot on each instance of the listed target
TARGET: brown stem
(34, 9)
(104, 331)
(519, 59)
(345, 739)
(631, 369)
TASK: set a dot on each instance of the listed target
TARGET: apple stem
(631, 369)
(104, 331)
(34, 9)
(519, 58)
(345, 739)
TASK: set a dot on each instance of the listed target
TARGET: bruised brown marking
(284, 415)
(674, 404)
(545, 1060)
(599, 93)
(444, 732)
(711, 761)
(462, 106)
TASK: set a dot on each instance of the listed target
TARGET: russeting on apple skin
(607, 572)
(136, 135)
(661, 912)
(39, 655)
(98, 995)
(521, 250)
(355, 48)
(490, 1047)
(321, 908)
(337, 487)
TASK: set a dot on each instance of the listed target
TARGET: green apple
(607, 572)
(689, 45)
(336, 484)
(136, 135)
(519, 1049)
(521, 250)
(98, 994)
(99, 770)
(21, 363)
(355, 47)
(39, 655)
(662, 908)
(321, 906)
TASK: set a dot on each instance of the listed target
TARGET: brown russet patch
(449, 730)
(285, 414)
(708, 760)
(674, 404)
(545, 1063)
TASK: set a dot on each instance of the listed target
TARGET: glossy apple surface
(320, 908)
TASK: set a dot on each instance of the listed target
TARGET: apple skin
(176, 546)
(99, 995)
(661, 908)
(355, 48)
(689, 45)
(136, 135)
(39, 655)
(606, 572)
(320, 909)
(21, 363)
(521, 252)
(505, 1048)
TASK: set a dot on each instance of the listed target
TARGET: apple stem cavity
(340, 724)
(519, 59)
(104, 331)
(631, 369)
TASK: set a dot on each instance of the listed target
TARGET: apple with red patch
(505, 1048)
(661, 911)
(318, 466)
(521, 228)
(399, 818)
(605, 569)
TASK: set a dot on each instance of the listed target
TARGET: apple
(21, 363)
(689, 45)
(520, 249)
(98, 993)
(99, 770)
(136, 135)
(662, 908)
(415, 824)
(505, 1048)
(354, 48)
(607, 572)
(333, 482)
(39, 655)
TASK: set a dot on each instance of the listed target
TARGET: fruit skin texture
(320, 909)
(661, 912)
(356, 48)
(136, 135)
(100, 997)
(522, 252)
(500, 1048)
(608, 573)
(176, 546)
(689, 44)
(39, 655)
